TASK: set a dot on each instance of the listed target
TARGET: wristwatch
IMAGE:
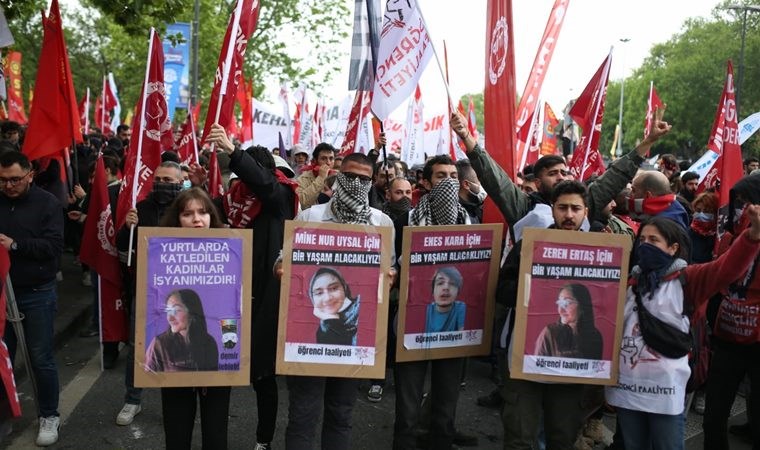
(14, 246)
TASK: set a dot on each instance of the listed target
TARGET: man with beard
(309, 396)
(439, 207)
(690, 181)
(398, 198)
(167, 184)
(471, 193)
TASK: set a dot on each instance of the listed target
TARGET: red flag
(54, 119)
(187, 145)
(529, 100)
(196, 111)
(549, 141)
(102, 117)
(229, 69)
(152, 133)
(244, 97)
(15, 99)
(215, 183)
(472, 124)
(653, 103)
(359, 110)
(499, 97)
(724, 141)
(6, 369)
(588, 112)
(99, 252)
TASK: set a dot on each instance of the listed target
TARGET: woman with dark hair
(186, 345)
(574, 335)
(651, 414)
(446, 312)
(337, 311)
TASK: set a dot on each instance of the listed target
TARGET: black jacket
(35, 222)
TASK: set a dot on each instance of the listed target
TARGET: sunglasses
(565, 302)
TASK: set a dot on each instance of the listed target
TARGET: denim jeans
(133, 395)
(650, 431)
(308, 396)
(445, 378)
(38, 306)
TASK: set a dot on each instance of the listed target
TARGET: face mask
(323, 198)
(186, 184)
(480, 195)
(165, 193)
(704, 217)
(652, 258)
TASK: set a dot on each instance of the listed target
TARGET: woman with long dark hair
(337, 311)
(574, 335)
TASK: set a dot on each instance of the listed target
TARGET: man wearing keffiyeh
(439, 207)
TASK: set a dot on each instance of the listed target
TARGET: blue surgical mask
(704, 217)
(186, 185)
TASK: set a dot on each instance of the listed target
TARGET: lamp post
(740, 78)
(622, 90)
(196, 32)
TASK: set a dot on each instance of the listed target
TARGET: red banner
(549, 141)
(359, 110)
(187, 146)
(54, 116)
(15, 97)
(98, 251)
(499, 98)
(215, 182)
(653, 103)
(6, 369)
(588, 112)
(229, 69)
(152, 133)
(529, 100)
(244, 96)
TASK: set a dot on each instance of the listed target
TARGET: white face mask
(481, 194)
(186, 184)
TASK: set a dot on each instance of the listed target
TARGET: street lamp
(744, 9)
(620, 117)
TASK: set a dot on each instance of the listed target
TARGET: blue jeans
(308, 397)
(38, 306)
(133, 396)
(650, 431)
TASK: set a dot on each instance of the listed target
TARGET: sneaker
(48, 434)
(375, 393)
(59, 276)
(86, 279)
(699, 403)
(262, 446)
(594, 430)
(127, 414)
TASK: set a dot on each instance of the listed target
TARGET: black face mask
(323, 198)
(165, 193)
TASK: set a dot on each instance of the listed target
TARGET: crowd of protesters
(672, 225)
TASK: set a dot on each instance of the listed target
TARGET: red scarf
(704, 228)
(651, 206)
(315, 170)
(242, 206)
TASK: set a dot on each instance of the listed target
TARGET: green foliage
(477, 103)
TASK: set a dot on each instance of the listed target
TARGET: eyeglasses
(565, 302)
(174, 309)
(12, 181)
(352, 176)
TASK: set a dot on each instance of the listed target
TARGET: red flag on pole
(229, 69)
(724, 142)
(529, 100)
(84, 112)
(99, 252)
(653, 103)
(499, 97)
(187, 145)
(549, 141)
(588, 112)
(359, 111)
(6, 369)
(54, 118)
(15, 99)
(215, 182)
(472, 123)
(244, 96)
(153, 132)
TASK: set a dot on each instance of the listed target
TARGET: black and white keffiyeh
(440, 207)
(350, 201)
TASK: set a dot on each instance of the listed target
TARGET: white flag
(405, 49)
(748, 126)
(413, 149)
(116, 120)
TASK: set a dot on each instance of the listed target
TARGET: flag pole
(435, 53)
(138, 156)
(195, 140)
(228, 63)
(596, 112)
(103, 107)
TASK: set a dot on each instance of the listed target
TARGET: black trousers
(266, 404)
(179, 405)
(728, 366)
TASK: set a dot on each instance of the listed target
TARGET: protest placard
(334, 300)
(570, 301)
(446, 296)
(193, 314)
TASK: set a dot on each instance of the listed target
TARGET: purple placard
(177, 268)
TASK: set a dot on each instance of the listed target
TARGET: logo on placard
(497, 60)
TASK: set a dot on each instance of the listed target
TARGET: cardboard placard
(570, 299)
(334, 300)
(193, 314)
(446, 294)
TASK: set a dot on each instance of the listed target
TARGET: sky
(591, 27)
